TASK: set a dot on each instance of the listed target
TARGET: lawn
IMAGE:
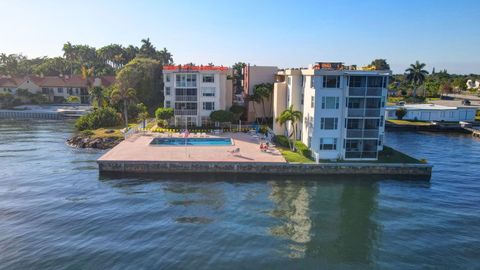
(409, 123)
(107, 132)
(388, 155)
(291, 156)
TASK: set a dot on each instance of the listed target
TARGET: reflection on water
(57, 212)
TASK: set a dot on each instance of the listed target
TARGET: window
(302, 80)
(328, 143)
(357, 81)
(330, 102)
(382, 120)
(380, 140)
(375, 81)
(208, 78)
(312, 102)
(383, 102)
(289, 80)
(60, 90)
(185, 106)
(331, 81)
(312, 82)
(301, 101)
(186, 80)
(167, 91)
(167, 77)
(167, 104)
(328, 123)
(209, 106)
(208, 91)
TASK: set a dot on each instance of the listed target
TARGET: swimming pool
(192, 141)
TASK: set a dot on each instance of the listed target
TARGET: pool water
(192, 141)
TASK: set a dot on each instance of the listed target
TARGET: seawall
(422, 171)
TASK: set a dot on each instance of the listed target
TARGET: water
(192, 141)
(57, 213)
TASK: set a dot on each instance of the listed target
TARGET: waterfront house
(433, 112)
(56, 88)
(343, 109)
(196, 91)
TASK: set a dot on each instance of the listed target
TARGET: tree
(415, 75)
(69, 54)
(400, 113)
(380, 64)
(52, 67)
(73, 99)
(290, 116)
(255, 98)
(238, 111)
(221, 116)
(163, 115)
(123, 92)
(263, 92)
(165, 57)
(147, 49)
(142, 113)
(97, 95)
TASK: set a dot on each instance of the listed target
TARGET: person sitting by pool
(263, 147)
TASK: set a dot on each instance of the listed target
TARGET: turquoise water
(56, 212)
(192, 141)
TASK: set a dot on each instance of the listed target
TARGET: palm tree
(292, 116)
(255, 98)
(165, 57)
(69, 52)
(123, 91)
(415, 74)
(263, 92)
(147, 49)
(126, 96)
(98, 96)
(87, 74)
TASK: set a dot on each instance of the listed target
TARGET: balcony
(363, 112)
(362, 133)
(365, 91)
(185, 112)
(185, 98)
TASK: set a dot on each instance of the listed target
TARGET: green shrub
(400, 113)
(303, 149)
(87, 133)
(281, 140)
(104, 117)
(222, 116)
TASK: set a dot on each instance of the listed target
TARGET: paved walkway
(140, 149)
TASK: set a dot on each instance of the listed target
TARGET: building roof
(53, 81)
(195, 68)
(425, 106)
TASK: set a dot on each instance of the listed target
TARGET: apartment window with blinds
(208, 91)
(167, 91)
(331, 81)
(209, 106)
(328, 143)
(167, 104)
(328, 123)
(167, 77)
(330, 102)
(312, 102)
(208, 78)
(186, 80)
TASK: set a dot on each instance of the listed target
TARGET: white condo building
(196, 91)
(343, 109)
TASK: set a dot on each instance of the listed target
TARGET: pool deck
(138, 148)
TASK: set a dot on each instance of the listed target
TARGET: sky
(443, 34)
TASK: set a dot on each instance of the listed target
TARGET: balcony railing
(185, 112)
(185, 98)
(362, 133)
(365, 91)
(364, 112)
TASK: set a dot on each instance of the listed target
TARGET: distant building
(253, 75)
(433, 112)
(56, 88)
(343, 109)
(196, 91)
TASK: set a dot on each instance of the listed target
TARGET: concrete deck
(139, 149)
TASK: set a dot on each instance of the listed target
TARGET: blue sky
(443, 34)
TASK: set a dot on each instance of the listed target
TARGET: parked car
(466, 102)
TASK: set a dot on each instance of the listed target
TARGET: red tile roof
(54, 81)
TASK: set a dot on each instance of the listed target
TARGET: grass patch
(291, 156)
(114, 132)
(409, 123)
(387, 155)
(477, 118)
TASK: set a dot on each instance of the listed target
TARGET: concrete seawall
(422, 171)
(30, 114)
